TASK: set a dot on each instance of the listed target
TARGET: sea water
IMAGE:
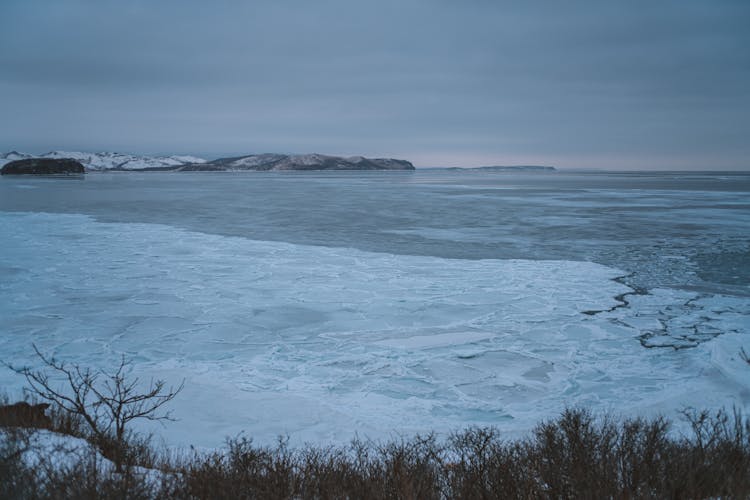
(321, 306)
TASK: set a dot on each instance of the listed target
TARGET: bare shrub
(23, 414)
(16, 478)
(715, 460)
(576, 455)
(106, 402)
(411, 468)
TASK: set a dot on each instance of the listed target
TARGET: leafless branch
(107, 402)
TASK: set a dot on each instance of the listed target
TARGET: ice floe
(325, 343)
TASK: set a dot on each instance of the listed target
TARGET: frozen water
(275, 335)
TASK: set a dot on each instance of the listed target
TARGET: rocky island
(43, 166)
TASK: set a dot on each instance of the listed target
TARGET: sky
(611, 85)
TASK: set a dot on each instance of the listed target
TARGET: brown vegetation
(23, 414)
(574, 456)
(101, 404)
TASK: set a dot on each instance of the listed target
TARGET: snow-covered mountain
(270, 161)
(110, 161)
(267, 161)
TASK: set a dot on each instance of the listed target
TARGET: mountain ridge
(108, 161)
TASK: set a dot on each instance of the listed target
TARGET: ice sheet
(325, 343)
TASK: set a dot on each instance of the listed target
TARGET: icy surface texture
(324, 343)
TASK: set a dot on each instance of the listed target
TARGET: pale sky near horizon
(614, 85)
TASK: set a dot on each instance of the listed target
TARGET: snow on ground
(325, 343)
(43, 448)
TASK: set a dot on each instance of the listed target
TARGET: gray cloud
(609, 84)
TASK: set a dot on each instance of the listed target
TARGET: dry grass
(573, 456)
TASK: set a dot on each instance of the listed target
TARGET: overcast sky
(629, 84)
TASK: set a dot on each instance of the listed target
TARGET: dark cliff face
(43, 166)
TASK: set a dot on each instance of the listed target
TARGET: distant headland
(507, 168)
